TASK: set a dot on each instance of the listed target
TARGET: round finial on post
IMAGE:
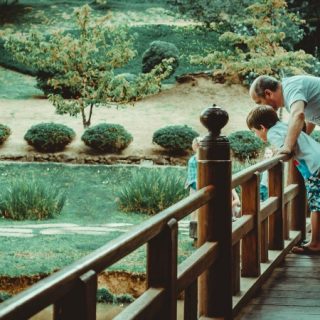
(214, 119)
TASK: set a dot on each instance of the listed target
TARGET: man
(300, 95)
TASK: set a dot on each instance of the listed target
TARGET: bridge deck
(292, 292)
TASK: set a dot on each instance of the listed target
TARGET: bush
(245, 145)
(157, 52)
(49, 137)
(316, 135)
(105, 296)
(176, 138)
(4, 133)
(4, 296)
(27, 198)
(107, 137)
(150, 191)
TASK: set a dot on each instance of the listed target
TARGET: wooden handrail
(52, 288)
(212, 272)
(243, 176)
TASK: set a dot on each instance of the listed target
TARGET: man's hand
(285, 150)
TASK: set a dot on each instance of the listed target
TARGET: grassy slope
(188, 40)
(90, 201)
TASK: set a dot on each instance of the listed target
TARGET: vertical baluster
(79, 303)
(276, 238)
(236, 268)
(250, 249)
(264, 243)
(299, 204)
(162, 268)
(191, 302)
(215, 284)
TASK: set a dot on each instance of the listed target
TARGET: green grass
(189, 40)
(90, 202)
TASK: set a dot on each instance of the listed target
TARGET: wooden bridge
(233, 261)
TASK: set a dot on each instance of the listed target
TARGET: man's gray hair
(260, 84)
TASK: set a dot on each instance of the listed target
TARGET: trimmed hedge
(107, 137)
(4, 133)
(245, 145)
(175, 138)
(49, 137)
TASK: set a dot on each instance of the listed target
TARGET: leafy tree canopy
(255, 45)
(81, 65)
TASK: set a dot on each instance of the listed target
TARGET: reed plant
(28, 198)
(150, 191)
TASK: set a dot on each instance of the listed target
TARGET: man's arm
(309, 127)
(295, 126)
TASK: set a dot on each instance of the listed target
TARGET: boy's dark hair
(262, 115)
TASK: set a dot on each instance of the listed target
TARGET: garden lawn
(90, 204)
(148, 21)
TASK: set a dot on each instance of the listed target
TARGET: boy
(268, 153)
(264, 122)
(191, 183)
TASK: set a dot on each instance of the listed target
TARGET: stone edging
(97, 159)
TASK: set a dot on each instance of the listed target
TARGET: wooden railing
(216, 279)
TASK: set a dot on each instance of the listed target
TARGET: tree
(81, 65)
(256, 47)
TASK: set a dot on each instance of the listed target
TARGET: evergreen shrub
(49, 137)
(26, 198)
(150, 191)
(4, 296)
(107, 137)
(157, 52)
(4, 133)
(245, 145)
(105, 296)
(175, 138)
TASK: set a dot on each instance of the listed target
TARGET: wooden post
(162, 268)
(236, 268)
(79, 303)
(299, 203)
(214, 168)
(276, 237)
(190, 309)
(250, 249)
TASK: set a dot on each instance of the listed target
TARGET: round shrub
(158, 51)
(316, 135)
(27, 198)
(245, 145)
(107, 137)
(4, 133)
(49, 137)
(176, 138)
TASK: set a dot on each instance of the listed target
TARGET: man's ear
(267, 93)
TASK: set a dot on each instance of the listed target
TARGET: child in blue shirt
(264, 122)
(191, 183)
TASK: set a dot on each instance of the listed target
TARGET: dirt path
(181, 104)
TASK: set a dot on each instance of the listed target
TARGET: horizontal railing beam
(246, 174)
(50, 289)
(241, 227)
(145, 307)
(196, 264)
